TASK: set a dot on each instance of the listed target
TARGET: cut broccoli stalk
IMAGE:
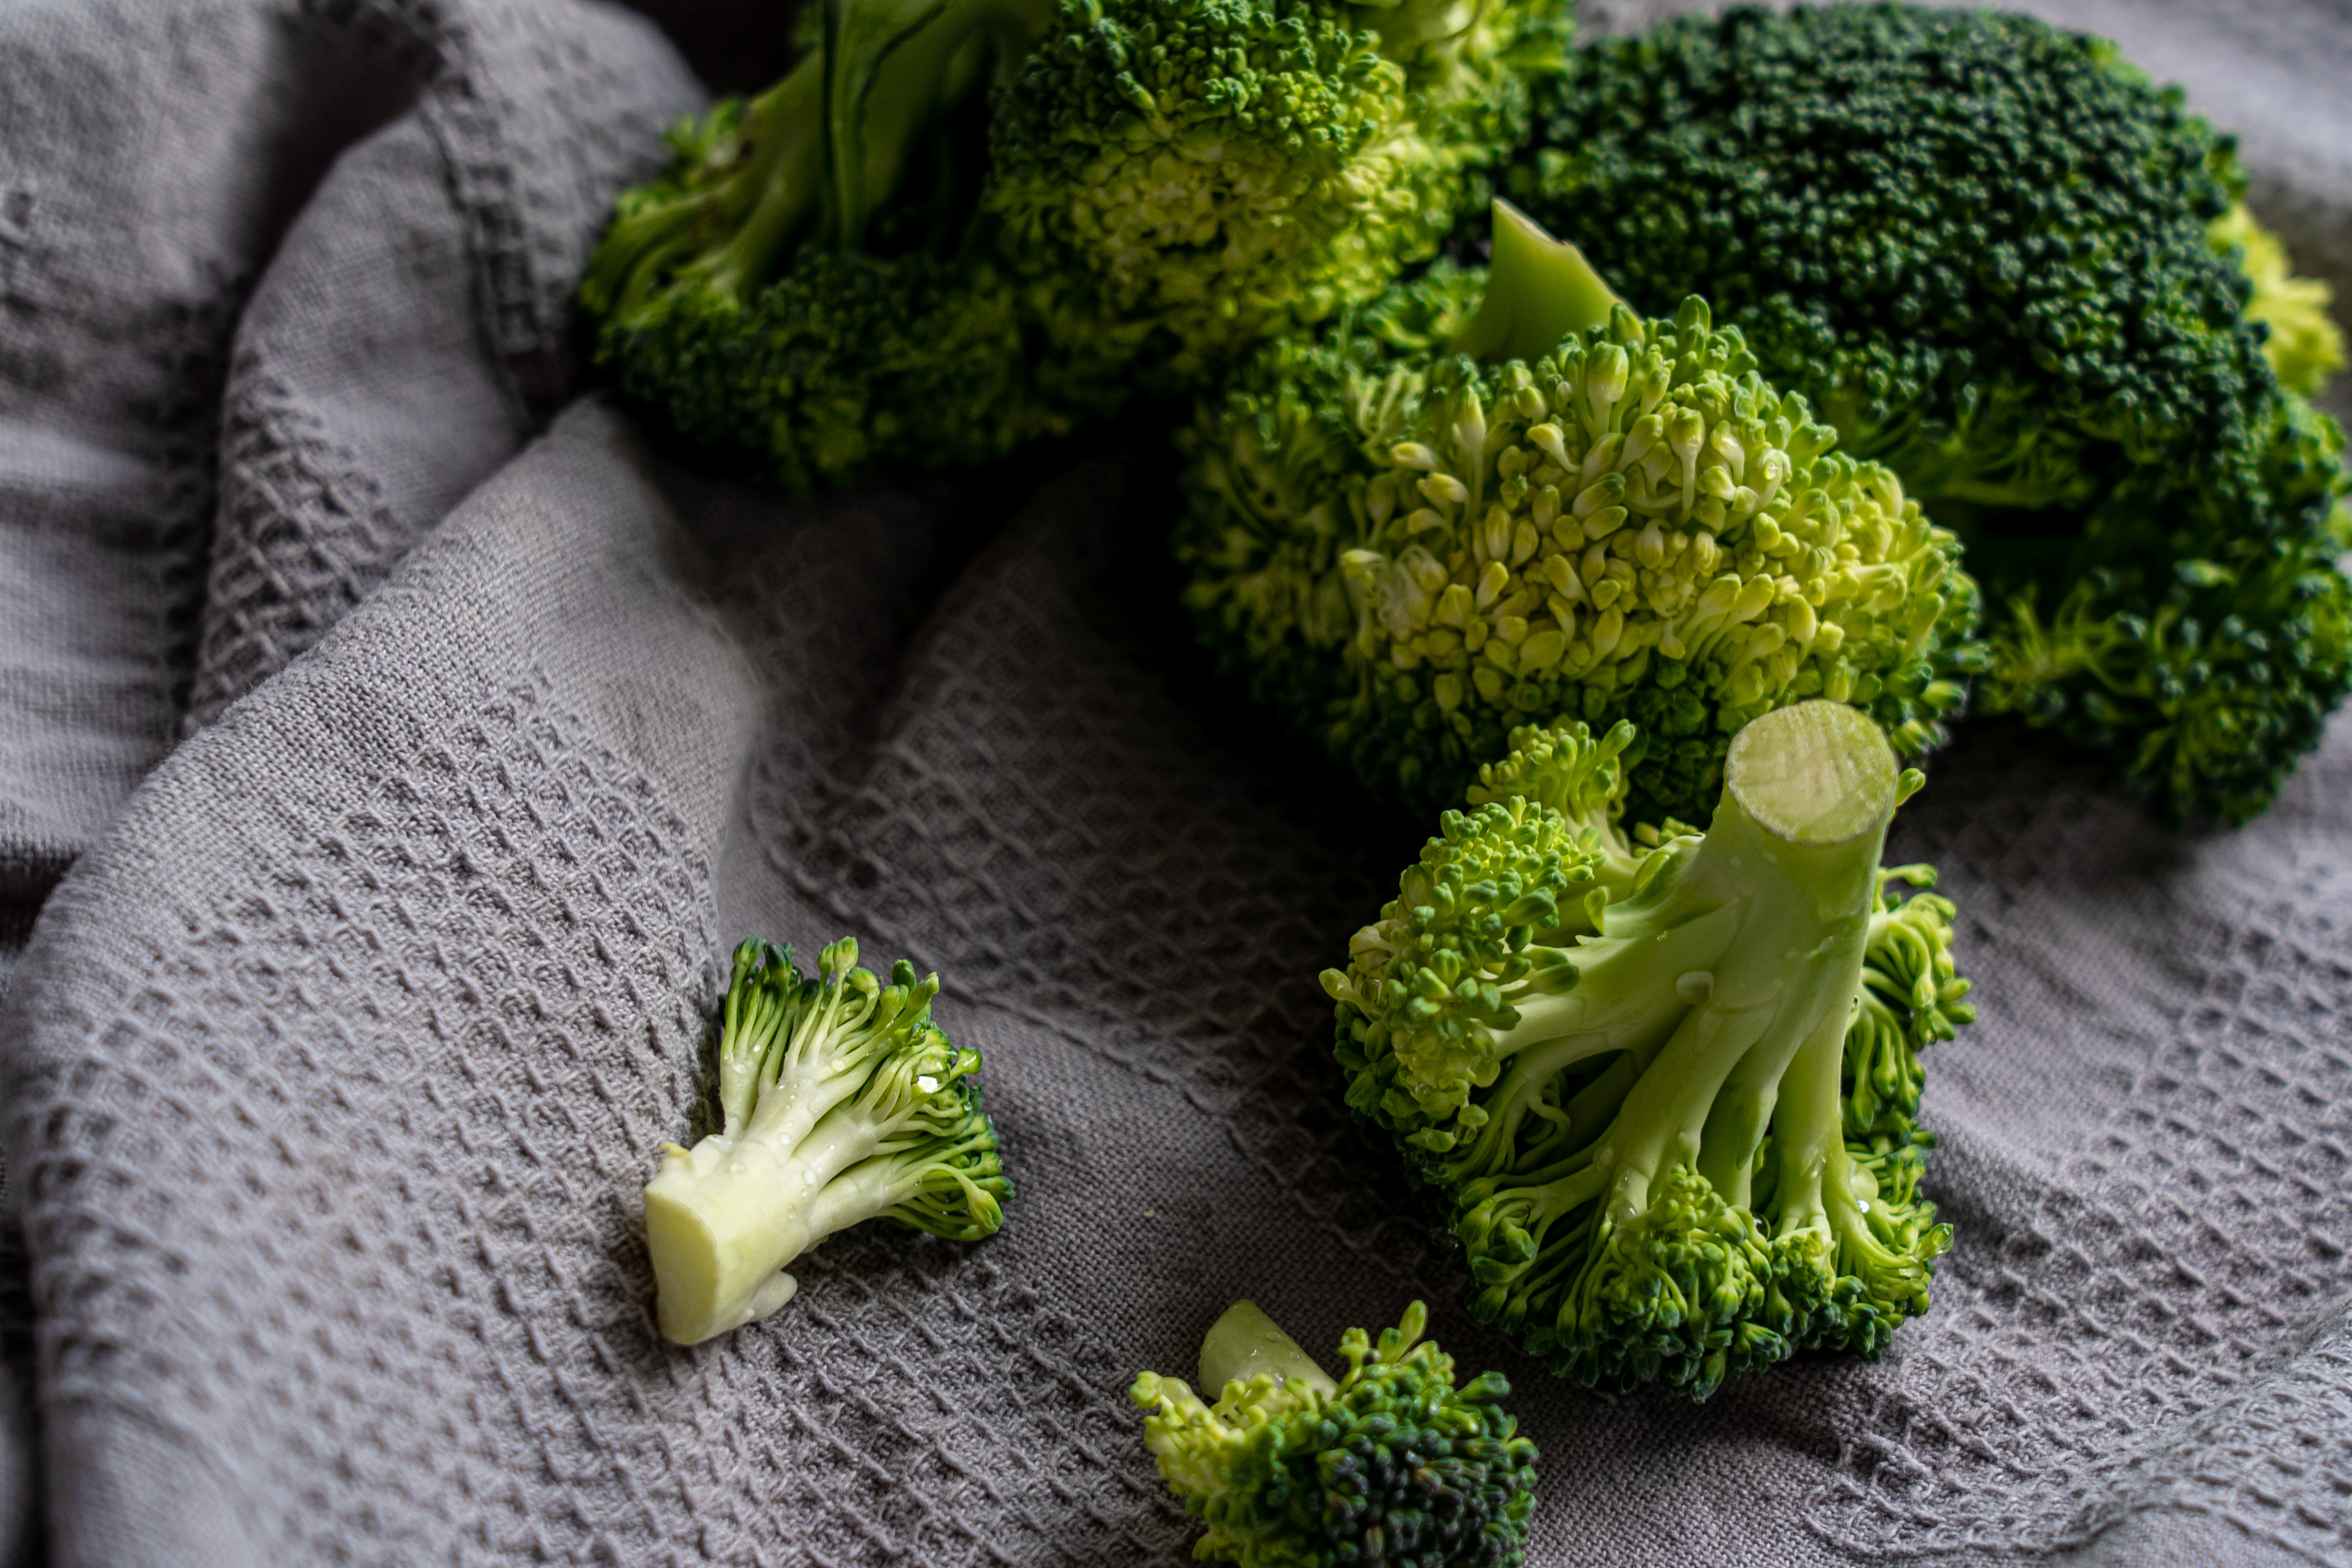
(1390, 1463)
(843, 1103)
(1668, 1115)
(1246, 1343)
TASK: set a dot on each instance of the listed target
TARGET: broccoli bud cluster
(1636, 524)
(1391, 1464)
(2002, 260)
(1232, 171)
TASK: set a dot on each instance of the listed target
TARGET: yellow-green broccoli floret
(2306, 346)
(1409, 552)
(1231, 169)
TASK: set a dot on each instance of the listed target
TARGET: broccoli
(1665, 1100)
(1996, 258)
(1390, 1464)
(843, 1103)
(1407, 552)
(957, 225)
(1234, 170)
(2305, 345)
(804, 282)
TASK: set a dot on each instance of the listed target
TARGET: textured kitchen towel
(419, 743)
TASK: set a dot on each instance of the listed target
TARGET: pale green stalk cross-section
(1814, 773)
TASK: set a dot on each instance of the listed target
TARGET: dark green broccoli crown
(1412, 554)
(845, 361)
(2207, 633)
(1398, 1465)
(1976, 242)
(1236, 168)
(1983, 249)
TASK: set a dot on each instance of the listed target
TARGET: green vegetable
(2304, 347)
(803, 280)
(844, 1103)
(1665, 1100)
(1409, 553)
(1230, 169)
(867, 263)
(1390, 1464)
(1992, 256)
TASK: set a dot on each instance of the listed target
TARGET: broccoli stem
(890, 67)
(783, 179)
(723, 1219)
(1538, 291)
(747, 179)
(1246, 1343)
(1808, 792)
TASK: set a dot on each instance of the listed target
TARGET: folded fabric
(419, 742)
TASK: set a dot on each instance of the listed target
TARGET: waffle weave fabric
(392, 746)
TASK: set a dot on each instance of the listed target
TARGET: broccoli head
(843, 1103)
(959, 224)
(1230, 169)
(1999, 259)
(1409, 551)
(1666, 1096)
(1393, 1463)
(804, 280)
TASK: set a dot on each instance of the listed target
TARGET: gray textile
(418, 743)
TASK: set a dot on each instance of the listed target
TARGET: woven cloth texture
(392, 745)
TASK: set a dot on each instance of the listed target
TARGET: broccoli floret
(1409, 553)
(1999, 259)
(843, 1103)
(808, 279)
(1669, 1112)
(842, 361)
(2305, 347)
(1390, 1464)
(870, 263)
(1230, 169)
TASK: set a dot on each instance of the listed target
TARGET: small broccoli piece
(843, 1103)
(1669, 1113)
(1231, 171)
(1409, 552)
(1997, 258)
(1390, 1464)
(2306, 346)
